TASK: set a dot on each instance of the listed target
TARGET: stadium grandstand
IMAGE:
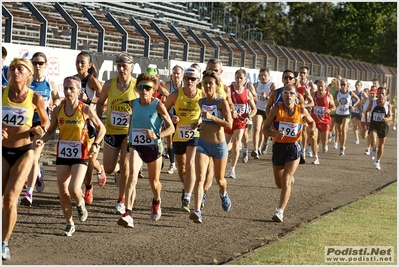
(185, 31)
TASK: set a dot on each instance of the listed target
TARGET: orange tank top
(74, 139)
(291, 125)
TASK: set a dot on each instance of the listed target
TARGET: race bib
(378, 116)
(14, 116)
(120, 119)
(185, 132)
(69, 149)
(290, 129)
(139, 138)
(319, 110)
(210, 109)
(240, 108)
(260, 97)
(343, 108)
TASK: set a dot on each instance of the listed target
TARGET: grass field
(371, 221)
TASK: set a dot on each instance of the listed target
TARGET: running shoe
(316, 161)
(141, 174)
(69, 230)
(27, 200)
(245, 156)
(226, 203)
(329, 138)
(310, 152)
(264, 148)
(342, 151)
(185, 205)
(196, 216)
(82, 212)
(292, 180)
(5, 252)
(119, 208)
(172, 168)
(126, 220)
(117, 178)
(357, 141)
(325, 149)
(377, 165)
(394, 128)
(203, 201)
(40, 181)
(232, 173)
(367, 152)
(335, 145)
(372, 154)
(88, 196)
(278, 216)
(255, 154)
(156, 211)
(101, 177)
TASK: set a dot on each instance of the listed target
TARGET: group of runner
(200, 121)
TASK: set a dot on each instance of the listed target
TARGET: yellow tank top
(220, 90)
(118, 108)
(17, 114)
(74, 139)
(188, 111)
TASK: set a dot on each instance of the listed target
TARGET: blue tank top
(4, 78)
(43, 88)
(279, 97)
(211, 108)
(356, 110)
(144, 118)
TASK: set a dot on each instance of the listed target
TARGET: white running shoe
(394, 128)
(325, 149)
(172, 168)
(264, 148)
(119, 208)
(335, 145)
(232, 173)
(377, 165)
(278, 216)
(367, 152)
(82, 212)
(357, 141)
(372, 154)
(342, 151)
(126, 221)
(316, 161)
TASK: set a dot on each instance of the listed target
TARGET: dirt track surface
(175, 239)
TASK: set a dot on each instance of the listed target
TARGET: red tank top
(240, 101)
(320, 106)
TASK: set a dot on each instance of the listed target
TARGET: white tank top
(344, 101)
(260, 89)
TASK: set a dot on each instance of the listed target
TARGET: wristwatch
(95, 144)
(158, 135)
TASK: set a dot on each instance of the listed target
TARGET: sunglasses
(144, 87)
(189, 78)
(40, 63)
(289, 93)
(288, 77)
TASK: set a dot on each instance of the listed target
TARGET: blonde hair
(24, 62)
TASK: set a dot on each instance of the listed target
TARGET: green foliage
(365, 31)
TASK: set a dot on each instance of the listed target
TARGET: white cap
(193, 71)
